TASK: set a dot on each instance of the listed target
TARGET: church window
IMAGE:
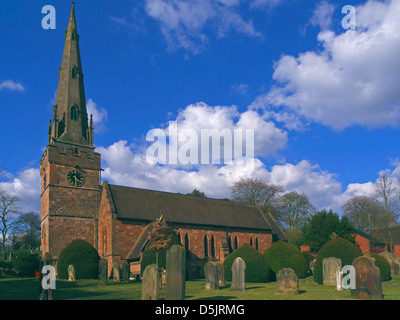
(73, 36)
(74, 113)
(257, 243)
(44, 181)
(187, 242)
(205, 246)
(212, 247)
(236, 243)
(251, 241)
(73, 73)
(230, 244)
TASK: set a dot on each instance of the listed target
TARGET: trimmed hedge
(338, 248)
(83, 257)
(383, 265)
(25, 264)
(285, 255)
(257, 269)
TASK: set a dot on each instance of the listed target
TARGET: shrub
(285, 255)
(383, 265)
(338, 248)
(25, 264)
(83, 257)
(257, 269)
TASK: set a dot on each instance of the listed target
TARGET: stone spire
(70, 119)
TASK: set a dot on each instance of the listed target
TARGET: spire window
(74, 113)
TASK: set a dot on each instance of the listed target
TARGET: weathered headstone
(71, 273)
(221, 275)
(116, 272)
(396, 268)
(211, 275)
(287, 282)
(311, 266)
(176, 273)
(150, 280)
(329, 266)
(125, 272)
(368, 279)
(238, 275)
(339, 279)
(103, 271)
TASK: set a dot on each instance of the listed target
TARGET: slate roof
(148, 205)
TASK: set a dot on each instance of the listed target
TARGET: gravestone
(176, 273)
(311, 266)
(211, 275)
(396, 268)
(221, 275)
(238, 275)
(71, 273)
(103, 271)
(287, 282)
(116, 272)
(125, 272)
(339, 279)
(150, 283)
(368, 279)
(329, 266)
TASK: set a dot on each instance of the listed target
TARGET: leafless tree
(387, 191)
(8, 217)
(364, 212)
(295, 208)
(255, 190)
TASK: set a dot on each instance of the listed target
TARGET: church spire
(70, 119)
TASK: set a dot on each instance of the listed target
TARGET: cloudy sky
(324, 101)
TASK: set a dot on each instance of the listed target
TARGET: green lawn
(13, 288)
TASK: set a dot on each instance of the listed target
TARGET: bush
(383, 265)
(285, 255)
(83, 257)
(25, 264)
(257, 269)
(338, 248)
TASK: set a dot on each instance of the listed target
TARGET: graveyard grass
(13, 288)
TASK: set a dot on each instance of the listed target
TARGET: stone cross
(150, 280)
(211, 275)
(221, 275)
(287, 282)
(238, 275)
(103, 271)
(71, 273)
(176, 273)
(329, 266)
(368, 279)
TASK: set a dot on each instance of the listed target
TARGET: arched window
(212, 247)
(251, 241)
(236, 243)
(205, 246)
(257, 243)
(230, 244)
(74, 113)
(73, 73)
(187, 242)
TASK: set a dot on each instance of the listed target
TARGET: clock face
(75, 178)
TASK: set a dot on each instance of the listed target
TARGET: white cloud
(12, 86)
(322, 15)
(25, 186)
(183, 23)
(100, 115)
(353, 79)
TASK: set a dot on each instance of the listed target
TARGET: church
(117, 220)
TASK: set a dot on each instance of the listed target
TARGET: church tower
(69, 168)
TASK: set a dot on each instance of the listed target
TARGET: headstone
(125, 272)
(71, 273)
(368, 279)
(238, 275)
(211, 275)
(221, 275)
(311, 266)
(396, 268)
(176, 273)
(389, 257)
(287, 282)
(116, 272)
(163, 279)
(339, 279)
(103, 271)
(150, 280)
(329, 266)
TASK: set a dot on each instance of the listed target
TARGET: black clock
(75, 178)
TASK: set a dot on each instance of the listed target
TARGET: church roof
(141, 204)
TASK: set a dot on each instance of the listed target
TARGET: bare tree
(8, 217)
(255, 190)
(28, 229)
(295, 208)
(387, 191)
(364, 212)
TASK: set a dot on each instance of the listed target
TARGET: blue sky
(324, 101)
